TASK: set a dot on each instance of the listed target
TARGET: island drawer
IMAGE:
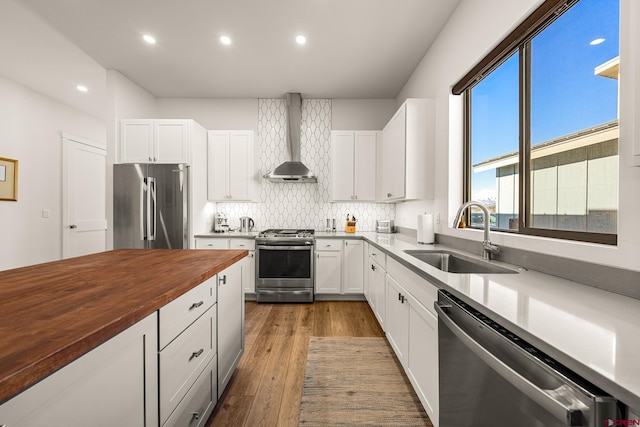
(197, 405)
(182, 361)
(248, 244)
(176, 316)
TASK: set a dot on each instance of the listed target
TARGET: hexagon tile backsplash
(294, 205)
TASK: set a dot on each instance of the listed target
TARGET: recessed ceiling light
(149, 39)
(596, 42)
(82, 88)
(301, 39)
(226, 40)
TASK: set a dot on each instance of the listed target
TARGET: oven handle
(285, 248)
(296, 292)
(570, 416)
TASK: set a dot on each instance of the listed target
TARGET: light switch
(437, 218)
(45, 213)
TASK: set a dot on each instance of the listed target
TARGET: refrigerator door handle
(143, 226)
(151, 209)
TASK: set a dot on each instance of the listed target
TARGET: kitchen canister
(425, 228)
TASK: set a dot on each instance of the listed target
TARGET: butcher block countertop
(53, 313)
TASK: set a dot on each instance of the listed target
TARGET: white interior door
(84, 221)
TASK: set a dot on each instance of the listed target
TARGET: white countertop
(591, 331)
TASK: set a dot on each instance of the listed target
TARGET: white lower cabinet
(339, 266)
(328, 266)
(397, 321)
(411, 326)
(377, 291)
(115, 384)
(422, 356)
(230, 323)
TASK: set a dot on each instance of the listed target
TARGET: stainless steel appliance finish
(292, 170)
(150, 206)
(246, 224)
(491, 377)
(385, 226)
(284, 266)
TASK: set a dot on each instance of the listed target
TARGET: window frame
(519, 41)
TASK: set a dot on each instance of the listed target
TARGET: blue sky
(566, 95)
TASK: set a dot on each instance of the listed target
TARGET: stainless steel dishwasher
(489, 377)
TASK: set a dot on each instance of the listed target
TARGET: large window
(542, 125)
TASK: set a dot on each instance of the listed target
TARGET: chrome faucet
(489, 248)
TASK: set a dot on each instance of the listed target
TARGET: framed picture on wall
(8, 179)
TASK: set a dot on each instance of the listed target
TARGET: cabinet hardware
(150, 159)
(388, 194)
(399, 296)
(196, 305)
(72, 226)
(222, 280)
(197, 415)
(402, 299)
(196, 354)
(373, 267)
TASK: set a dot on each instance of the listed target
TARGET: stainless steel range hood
(293, 170)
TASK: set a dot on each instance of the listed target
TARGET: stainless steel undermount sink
(455, 263)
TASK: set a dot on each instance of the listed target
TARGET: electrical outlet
(437, 219)
(45, 213)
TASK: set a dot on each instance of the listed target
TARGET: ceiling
(363, 49)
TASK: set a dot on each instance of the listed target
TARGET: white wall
(31, 126)
(361, 114)
(213, 114)
(462, 43)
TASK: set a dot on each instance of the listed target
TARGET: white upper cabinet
(154, 141)
(353, 155)
(407, 153)
(230, 165)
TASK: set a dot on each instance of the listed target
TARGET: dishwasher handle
(570, 415)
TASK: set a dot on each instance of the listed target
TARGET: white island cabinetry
(115, 384)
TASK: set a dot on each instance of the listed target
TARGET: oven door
(284, 266)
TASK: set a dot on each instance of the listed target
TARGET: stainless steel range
(284, 265)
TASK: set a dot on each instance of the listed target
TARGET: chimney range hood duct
(293, 170)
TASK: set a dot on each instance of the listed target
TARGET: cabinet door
(171, 141)
(397, 319)
(218, 165)
(353, 268)
(136, 141)
(342, 160)
(230, 323)
(364, 174)
(240, 165)
(328, 272)
(393, 166)
(115, 384)
(377, 292)
(422, 356)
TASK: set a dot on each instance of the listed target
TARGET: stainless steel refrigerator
(150, 206)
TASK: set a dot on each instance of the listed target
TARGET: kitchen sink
(455, 263)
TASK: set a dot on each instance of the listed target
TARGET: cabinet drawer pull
(222, 280)
(196, 305)
(197, 415)
(373, 267)
(196, 354)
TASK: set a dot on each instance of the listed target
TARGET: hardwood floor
(266, 388)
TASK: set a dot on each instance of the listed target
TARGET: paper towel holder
(425, 233)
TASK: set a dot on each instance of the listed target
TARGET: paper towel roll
(425, 228)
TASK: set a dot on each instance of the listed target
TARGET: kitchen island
(54, 313)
